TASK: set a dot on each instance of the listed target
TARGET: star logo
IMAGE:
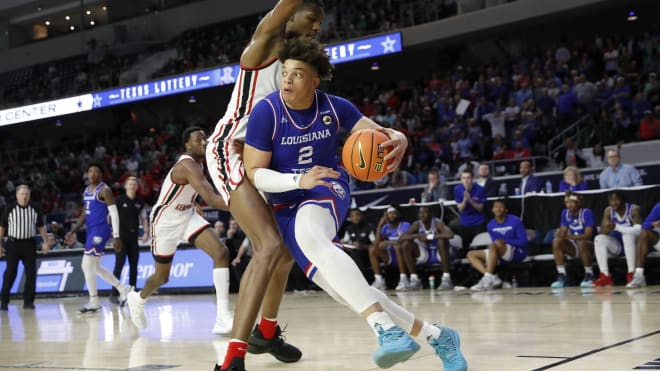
(388, 45)
(362, 164)
(97, 101)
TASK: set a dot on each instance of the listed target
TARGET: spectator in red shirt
(649, 127)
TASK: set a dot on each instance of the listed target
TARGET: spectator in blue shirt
(574, 238)
(572, 180)
(470, 198)
(618, 174)
(650, 237)
(567, 104)
(509, 245)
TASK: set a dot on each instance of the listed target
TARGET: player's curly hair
(96, 164)
(310, 52)
(187, 133)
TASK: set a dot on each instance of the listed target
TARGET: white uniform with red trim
(173, 217)
(252, 85)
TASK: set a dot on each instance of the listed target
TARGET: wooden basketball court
(509, 329)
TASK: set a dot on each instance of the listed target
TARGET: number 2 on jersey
(305, 155)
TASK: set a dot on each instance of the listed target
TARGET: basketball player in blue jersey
(509, 245)
(271, 262)
(619, 230)
(650, 237)
(290, 154)
(427, 242)
(387, 249)
(174, 219)
(98, 204)
(574, 238)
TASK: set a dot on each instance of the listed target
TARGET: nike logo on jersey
(362, 163)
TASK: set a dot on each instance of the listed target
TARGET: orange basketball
(363, 155)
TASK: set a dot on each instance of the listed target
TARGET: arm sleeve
(347, 113)
(261, 126)
(114, 219)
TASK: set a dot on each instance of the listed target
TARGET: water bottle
(514, 281)
(432, 282)
(548, 186)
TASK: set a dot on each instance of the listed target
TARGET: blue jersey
(470, 216)
(392, 233)
(654, 216)
(624, 220)
(300, 139)
(512, 231)
(96, 211)
(577, 224)
(433, 244)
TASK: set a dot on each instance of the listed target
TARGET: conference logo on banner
(63, 273)
(190, 268)
(52, 275)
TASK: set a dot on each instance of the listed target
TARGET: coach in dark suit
(486, 181)
(18, 222)
(528, 182)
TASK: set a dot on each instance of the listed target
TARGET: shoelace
(281, 336)
(446, 350)
(390, 335)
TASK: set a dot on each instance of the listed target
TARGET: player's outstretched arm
(189, 171)
(274, 22)
(269, 31)
(397, 141)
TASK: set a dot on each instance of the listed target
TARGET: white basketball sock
(89, 271)
(630, 250)
(221, 283)
(600, 248)
(429, 331)
(380, 319)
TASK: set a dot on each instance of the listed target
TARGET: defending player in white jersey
(174, 218)
(271, 262)
(619, 230)
(291, 153)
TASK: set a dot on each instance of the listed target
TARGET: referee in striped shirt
(18, 223)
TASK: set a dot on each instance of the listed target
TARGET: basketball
(363, 155)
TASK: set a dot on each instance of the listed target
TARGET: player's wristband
(114, 219)
(272, 181)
